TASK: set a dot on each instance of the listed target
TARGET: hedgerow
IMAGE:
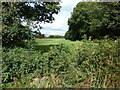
(94, 65)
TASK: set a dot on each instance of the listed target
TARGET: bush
(20, 62)
(97, 62)
(100, 63)
(17, 36)
(91, 64)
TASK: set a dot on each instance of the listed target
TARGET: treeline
(40, 36)
(50, 36)
(37, 34)
(55, 36)
(94, 20)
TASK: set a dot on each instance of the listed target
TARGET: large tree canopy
(94, 19)
(14, 14)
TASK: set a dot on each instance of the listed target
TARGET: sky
(60, 26)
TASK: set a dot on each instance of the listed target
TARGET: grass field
(44, 44)
(54, 41)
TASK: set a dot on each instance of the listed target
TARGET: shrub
(88, 64)
(100, 62)
(19, 62)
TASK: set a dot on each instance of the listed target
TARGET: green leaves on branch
(17, 13)
(94, 19)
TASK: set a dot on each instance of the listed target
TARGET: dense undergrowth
(81, 66)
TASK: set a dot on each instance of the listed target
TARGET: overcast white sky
(59, 26)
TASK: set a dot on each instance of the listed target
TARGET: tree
(14, 14)
(67, 35)
(56, 36)
(94, 19)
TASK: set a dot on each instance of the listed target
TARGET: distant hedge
(56, 36)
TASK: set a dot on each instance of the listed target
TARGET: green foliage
(21, 62)
(56, 36)
(39, 36)
(67, 35)
(97, 65)
(15, 35)
(94, 19)
(14, 14)
(100, 62)
(43, 48)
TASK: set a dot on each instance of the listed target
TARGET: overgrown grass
(80, 65)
